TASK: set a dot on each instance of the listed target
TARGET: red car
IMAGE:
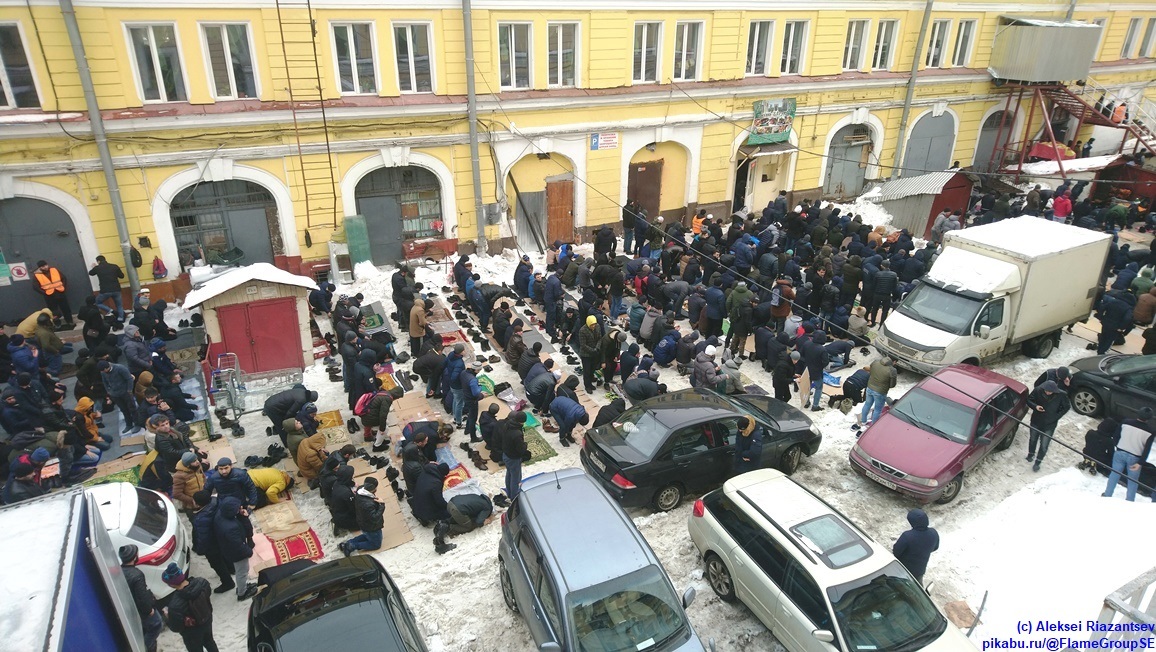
(924, 443)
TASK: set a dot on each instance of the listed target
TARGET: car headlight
(815, 430)
(927, 482)
(935, 355)
(858, 450)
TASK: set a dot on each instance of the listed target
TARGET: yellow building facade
(259, 125)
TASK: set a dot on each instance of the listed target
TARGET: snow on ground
(1023, 536)
(865, 207)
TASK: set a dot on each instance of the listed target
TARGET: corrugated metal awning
(1040, 22)
(924, 184)
(772, 149)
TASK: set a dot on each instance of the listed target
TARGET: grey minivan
(573, 564)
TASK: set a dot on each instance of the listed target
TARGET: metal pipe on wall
(899, 144)
(472, 113)
(97, 123)
(1071, 11)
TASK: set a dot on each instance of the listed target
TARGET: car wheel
(789, 462)
(719, 577)
(507, 586)
(1007, 441)
(668, 498)
(951, 490)
(1087, 402)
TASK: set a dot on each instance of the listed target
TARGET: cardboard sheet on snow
(115, 466)
(134, 440)
(280, 520)
(395, 531)
(1133, 342)
(215, 454)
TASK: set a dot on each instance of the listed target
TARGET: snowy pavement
(1045, 545)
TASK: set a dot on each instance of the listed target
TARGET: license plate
(597, 462)
(886, 483)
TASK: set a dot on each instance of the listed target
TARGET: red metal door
(275, 334)
(234, 322)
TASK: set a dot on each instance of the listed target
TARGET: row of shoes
(475, 457)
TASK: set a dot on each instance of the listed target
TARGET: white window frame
(31, 71)
(680, 28)
(550, 27)
(228, 60)
(513, 86)
(876, 64)
(433, 79)
(128, 27)
(1149, 39)
(791, 29)
(1128, 50)
(942, 27)
(348, 24)
(961, 47)
(1103, 23)
(754, 28)
(648, 25)
(863, 27)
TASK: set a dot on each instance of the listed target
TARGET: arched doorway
(540, 193)
(990, 140)
(33, 230)
(399, 204)
(847, 160)
(215, 219)
(930, 146)
(656, 177)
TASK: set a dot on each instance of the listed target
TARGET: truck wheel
(1041, 347)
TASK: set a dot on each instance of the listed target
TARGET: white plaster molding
(72, 207)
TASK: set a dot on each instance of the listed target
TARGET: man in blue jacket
(118, 384)
(205, 539)
(522, 275)
(716, 310)
(914, 547)
(552, 303)
(232, 483)
(451, 390)
(234, 533)
(569, 413)
(471, 394)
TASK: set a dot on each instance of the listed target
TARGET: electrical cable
(51, 78)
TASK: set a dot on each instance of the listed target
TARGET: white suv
(795, 561)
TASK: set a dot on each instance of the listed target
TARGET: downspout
(899, 144)
(1071, 11)
(472, 112)
(97, 123)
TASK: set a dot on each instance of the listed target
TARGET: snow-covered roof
(1030, 237)
(36, 544)
(1039, 22)
(925, 184)
(971, 271)
(242, 275)
(1090, 164)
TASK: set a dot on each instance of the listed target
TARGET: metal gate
(990, 141)
(847, 162)
(930, 146)
(32, 230)
(399, 204)
(530, 213)
(215, 217)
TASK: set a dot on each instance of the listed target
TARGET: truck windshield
(944, 310)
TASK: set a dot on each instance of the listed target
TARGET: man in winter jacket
(170, 444)
(190, 609)
(569, 413)
(205, 539)
(1047, 404)
(1135, 441)
(142, 597)
(270, 483)
(370, 514)
(340, 501)
(363, 376)
(608, 413)
(816, 358)
(428, 503)
(286, 404)
(514, 452)
(234, 533)
(376, 415)
(188, 479)
(715, 311)
(749, 446)
(881, 379)
(471, 394)
(705, 369)
(451, 389)
(1116, 317)
(914, 547)
(136, 351)
(22, 483)
(884, 284)
(468, 512)
(588, 339)
(642, 387)
(118, 384)
(231, 482)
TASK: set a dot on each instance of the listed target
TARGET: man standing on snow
(1047, 403)
(914, 547)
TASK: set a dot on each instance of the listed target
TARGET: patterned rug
(335, 437)
(130, 475)
(183, 355)
(199, 430)
(305, 545)
(329, 419)
(455, 477)
(538, 447)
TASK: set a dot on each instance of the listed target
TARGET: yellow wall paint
(531, 173)
(673, 157)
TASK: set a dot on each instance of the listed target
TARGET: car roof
(768, 494)
(688, 406)
(964, 384)
(559, 506)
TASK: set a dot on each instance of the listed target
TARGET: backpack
(159, 269)
(362, 405)
(776, 295)
(135, 258)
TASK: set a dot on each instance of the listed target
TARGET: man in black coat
(514, 452)
(340, 501)
(108, 275)
(205, 539)
(609, 413)
(882, 288)
(234, 533)
(1047, 404)
(284, 405)
(142, 597)
(914, 547)
(370, 514)
(816, 358)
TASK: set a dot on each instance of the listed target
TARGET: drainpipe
(1071, 12)
(899, 144)
(97, 123)
(472, 112)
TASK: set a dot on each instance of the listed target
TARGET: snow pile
(865, 207)
(366, 270)
(1045, 168)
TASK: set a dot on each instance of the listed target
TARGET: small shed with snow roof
(915, 201)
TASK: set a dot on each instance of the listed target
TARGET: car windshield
(640, 430)
(638, 611)
(944, 310)
(886, 612)
(936, 415)
(1124, 364)
(359, 620)
(152, 518)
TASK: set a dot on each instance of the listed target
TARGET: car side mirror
(985, 331)
(823, 635)
(688, 597)
(983, 441)
(550, 647)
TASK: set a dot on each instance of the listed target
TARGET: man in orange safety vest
(52, 283)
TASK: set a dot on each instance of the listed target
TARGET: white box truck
(997, 289)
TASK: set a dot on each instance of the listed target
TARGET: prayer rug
(304, 545)
(455, 477)
(539, 449)
(130, 475)
(329, 419)
(336, 437)
(199, 430)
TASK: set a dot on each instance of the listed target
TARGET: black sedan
(1113, 385)
(350, 600)
(667, 446)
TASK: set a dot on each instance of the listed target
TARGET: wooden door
(644, 185)
(560, 210)
(276, 336)
(234, 322)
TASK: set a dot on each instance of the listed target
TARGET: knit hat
(103, 365)
(156, 344)
(17, 339)
(173, 575)
(224, 461)
(40, 455)
(459, 348)
(1050, 386)
(21, 469)
(710, 350)
(1062, 373)
(128, 553)
(188, 458)
(591, 320)
(795, 356)
(476, 364)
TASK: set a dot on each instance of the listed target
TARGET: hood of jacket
(289, 424)
(229, 507)
(367, 357)
(84, 405)
(344, 474)
(918, 519)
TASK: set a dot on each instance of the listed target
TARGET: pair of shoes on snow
(352, 426)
